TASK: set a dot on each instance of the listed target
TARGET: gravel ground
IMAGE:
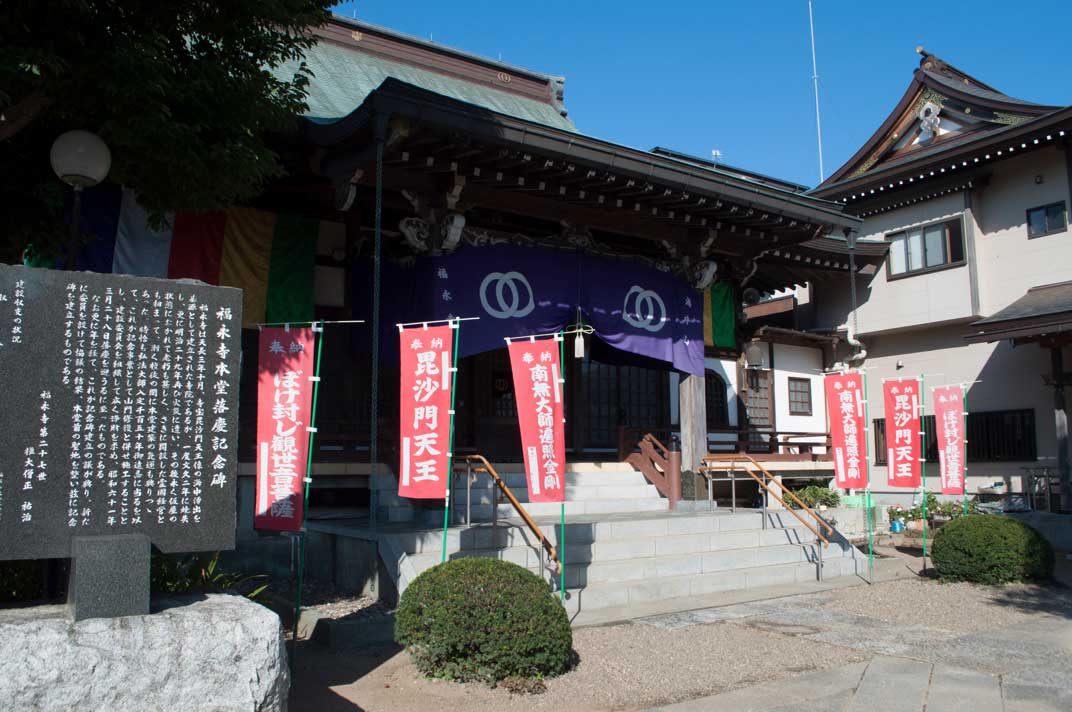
(634, 666)
(621, 667)
(958, 607)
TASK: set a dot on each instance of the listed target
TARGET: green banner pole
(456, 325)
(870, 518)
(964, 465)
(562, 517)
(308, 483)
(923, 457)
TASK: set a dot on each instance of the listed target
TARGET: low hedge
(813, 496)
(991, 549)
(483, 619)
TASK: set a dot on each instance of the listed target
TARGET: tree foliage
(183, 92)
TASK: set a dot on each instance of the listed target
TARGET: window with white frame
(925, 248)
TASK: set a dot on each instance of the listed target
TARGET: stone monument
(118, 428)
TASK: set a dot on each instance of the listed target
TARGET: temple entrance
(600, 397)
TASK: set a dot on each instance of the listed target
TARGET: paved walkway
(1023, 668)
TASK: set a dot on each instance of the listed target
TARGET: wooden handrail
(660, 465)
(525, 517)
(732, 461)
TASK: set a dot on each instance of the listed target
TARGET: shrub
(483, 619)
(991, 549)
(185, 573)
(813, 496)
(950, 509)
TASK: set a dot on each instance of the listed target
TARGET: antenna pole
(815, 83)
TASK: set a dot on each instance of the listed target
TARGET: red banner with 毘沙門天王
(845, 408)
(538, 392)
(901, 400)
(284, 398)
(949, 427)
(427, 364)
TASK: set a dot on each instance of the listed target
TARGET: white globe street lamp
(81, 160)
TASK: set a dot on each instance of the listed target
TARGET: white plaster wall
(727, 368)
(886, 305)
(1009, 379)
(799, 362)
(1009, 262)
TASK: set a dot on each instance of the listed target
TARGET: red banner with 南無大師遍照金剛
(427, 364)
(538, 392)
(901, 400)
(949, 427)
(284, 403)
(845, 408)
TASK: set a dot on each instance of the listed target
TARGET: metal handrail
(731, 460)
(485, 467)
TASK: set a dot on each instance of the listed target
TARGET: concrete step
(518, 480)
(584, 573)
(514, 476)
(482, 512)
(484, 495)
(677, 533)
(624, 593)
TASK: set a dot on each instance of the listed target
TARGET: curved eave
(955, 151)
(395, 98)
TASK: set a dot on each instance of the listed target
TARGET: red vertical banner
(284, 404)
(903, 442)
(424, 410)
(845, 407)
(538, 392)
(949, 427)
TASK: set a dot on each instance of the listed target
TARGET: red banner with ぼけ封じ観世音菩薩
(284, 405)
(901, 400)
(949, 427)
(845, 408)
(538, 392)
(427, 364)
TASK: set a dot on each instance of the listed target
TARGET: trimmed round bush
(985, 548)
(483, 619)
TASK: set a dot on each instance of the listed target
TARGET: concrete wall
(1009, 378)
(1009, 262)
(1005, 261)
(886, 305)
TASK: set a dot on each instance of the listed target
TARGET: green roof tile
(343, 78)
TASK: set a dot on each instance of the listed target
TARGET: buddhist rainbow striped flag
(270, 256)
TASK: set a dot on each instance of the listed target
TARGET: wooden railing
(770, 444)
(658, 463)
(478, 463)
(787, 445)
(712, 464)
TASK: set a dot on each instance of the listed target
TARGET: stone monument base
(211, 652)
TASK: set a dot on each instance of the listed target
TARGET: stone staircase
(620, 560)
(623, 547)
(591, 488)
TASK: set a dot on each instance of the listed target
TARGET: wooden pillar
(692, 410)
(1060, 412)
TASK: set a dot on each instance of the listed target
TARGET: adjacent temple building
(970, 189)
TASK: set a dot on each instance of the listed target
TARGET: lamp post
(81, 160)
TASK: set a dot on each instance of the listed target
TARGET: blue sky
(736, 76)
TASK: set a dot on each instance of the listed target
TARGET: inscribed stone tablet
(118, 410)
